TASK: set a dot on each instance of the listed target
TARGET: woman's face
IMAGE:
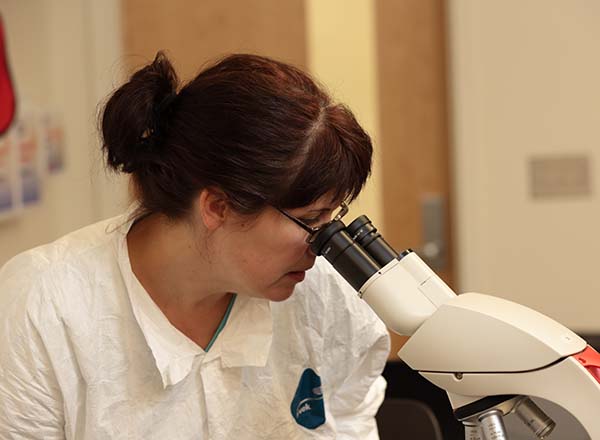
(267, 256)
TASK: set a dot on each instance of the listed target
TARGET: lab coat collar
(244, 341)
(247, 337)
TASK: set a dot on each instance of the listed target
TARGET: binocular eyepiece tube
(356, 251)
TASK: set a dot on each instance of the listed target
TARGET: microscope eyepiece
(356, 251)
(362, 231)
(346, 256)
(324, 235)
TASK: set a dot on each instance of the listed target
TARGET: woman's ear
(212, 207)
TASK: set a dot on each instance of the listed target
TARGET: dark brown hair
(260, 130)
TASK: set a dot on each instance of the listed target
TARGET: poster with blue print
(31, 166)
(10, 184)
(53, 141)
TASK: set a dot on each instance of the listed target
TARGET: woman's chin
(281, 292)
(280, 295)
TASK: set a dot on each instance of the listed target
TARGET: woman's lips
(297, 276)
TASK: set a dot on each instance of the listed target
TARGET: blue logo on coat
(307, 406)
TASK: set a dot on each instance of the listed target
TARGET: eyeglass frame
(312, 231)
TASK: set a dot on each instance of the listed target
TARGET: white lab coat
(86, 354)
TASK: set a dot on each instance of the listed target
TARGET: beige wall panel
(194, 32)
(341, 54)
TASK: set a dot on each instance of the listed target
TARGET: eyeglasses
(312, 232)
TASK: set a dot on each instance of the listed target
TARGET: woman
(201, 312)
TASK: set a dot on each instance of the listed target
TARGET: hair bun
(135, 117)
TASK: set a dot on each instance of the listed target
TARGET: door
(413, 103)
(196, 31)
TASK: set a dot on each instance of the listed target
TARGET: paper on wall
(53, 140)
(32, 158)
(11, 201)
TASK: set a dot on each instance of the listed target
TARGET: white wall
(525, 83)
(64, 56)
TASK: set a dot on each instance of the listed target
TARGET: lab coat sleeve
(359, 422)
(30, 398)
(357, 345)
(356, 402)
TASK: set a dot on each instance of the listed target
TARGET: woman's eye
(310, 221)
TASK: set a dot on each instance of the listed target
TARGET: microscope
(490, 355)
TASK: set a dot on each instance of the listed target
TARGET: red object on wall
(7, 93)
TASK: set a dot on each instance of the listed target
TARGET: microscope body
(487, 353)
(476, 346)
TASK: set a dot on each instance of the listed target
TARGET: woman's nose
(310, 252)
